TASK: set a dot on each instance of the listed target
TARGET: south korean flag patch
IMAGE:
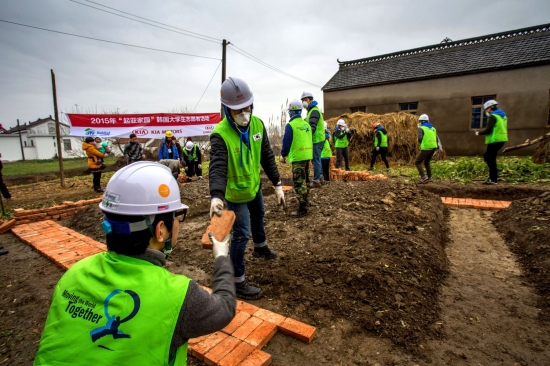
(257, 136)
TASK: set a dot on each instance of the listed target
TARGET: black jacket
(218, 163)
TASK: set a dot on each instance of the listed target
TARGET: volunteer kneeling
(122, 307)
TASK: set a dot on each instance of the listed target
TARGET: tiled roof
(517, 48)
(3, 131)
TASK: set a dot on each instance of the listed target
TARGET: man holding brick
(122, 307)
(239, 147)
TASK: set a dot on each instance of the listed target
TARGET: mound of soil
(371, 253)
(525, 225)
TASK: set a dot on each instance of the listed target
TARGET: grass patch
(47, 166)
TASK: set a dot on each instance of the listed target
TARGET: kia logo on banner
(140, 132)
(209, 127)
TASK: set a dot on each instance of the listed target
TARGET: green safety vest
(341, 143)
(499, 132)
(319, 135)
(193, 156)
(243, 182)
(384, 142)
(429, 140)
(327, 152)
(302, 146)
(111, 309)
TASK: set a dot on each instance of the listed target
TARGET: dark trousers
(193, 168)
(382, 152)
(97, 179)
(299, 180)
(326, 169)
(342, 152)
(4, 189)
(490, 158)
(424, 156)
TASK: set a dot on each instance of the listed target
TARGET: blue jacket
(163, 150)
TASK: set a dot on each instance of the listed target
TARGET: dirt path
(489, 315)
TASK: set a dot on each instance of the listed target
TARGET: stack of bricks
(477, 204)
(240, 342)
(337, 174)
(63, 211)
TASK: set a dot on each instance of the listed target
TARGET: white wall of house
(38, 147)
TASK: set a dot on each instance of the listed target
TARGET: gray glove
(377, 148)
(282, 159)
(199, 166)
(216, 206)
(220, 248)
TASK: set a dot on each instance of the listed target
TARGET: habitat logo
(115, 320)
(92, 132)
(89, 132)
(140, 132)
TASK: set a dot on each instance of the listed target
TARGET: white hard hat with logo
(235, 93)
(424, 117)
(341, 122)
(142, 188)
(295, 105)
(490, 103)
(306, 95)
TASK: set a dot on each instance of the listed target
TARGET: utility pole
(224, 59)
(58, 132)
(20, 140)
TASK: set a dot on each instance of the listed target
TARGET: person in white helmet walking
(298, 147)
(121, 307)
(429, 143)
(496, 135)
(192, 160)
(341, 136)
(316, 121)
(239, 148)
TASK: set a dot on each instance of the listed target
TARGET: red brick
(246, 307)
(237, 321)
(257, 358)
(220, 226)
(248, 327)
(202, 348)
(261, 335)
(216, 354)
(238, 354)
(298, 330)
(198, 339)
(269, 316)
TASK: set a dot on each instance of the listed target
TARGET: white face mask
(305, 104)
(487, 114)
(242, 119)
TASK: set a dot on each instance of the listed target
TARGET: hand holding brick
(220, 227)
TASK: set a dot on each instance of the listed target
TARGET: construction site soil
(386, 273)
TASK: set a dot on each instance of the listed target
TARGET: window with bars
(410, 107)
(479, 119)
(358, 109)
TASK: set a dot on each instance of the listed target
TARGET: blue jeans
(316, 161)
(249, 216)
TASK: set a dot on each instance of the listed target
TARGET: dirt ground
(386, 273)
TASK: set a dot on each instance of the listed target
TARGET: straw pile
(402, 136)
(542, 152)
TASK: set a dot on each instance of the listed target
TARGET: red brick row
(475, 203)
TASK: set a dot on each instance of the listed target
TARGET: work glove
(346, 129)
(477, 133)
(186, 168)
(283, 159)
(279, 194)
(220, 248)
(216, 206)
(377, 148)
(199, 166)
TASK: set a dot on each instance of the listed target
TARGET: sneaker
(264, 253)
(422, 180)
(490, 182)
(247, 292)
(200, 177)
(302, 211)
(189, 180)
(429, 180)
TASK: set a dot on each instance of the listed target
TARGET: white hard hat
(424, 117)
(295, 105)
(142, 188)
(489, 103)
(341, 122)
(189, 145)
(306, 95)
(236, 94)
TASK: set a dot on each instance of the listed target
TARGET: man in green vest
(429, 143)
(380, 145)
(239, 146)
(342, 135)
(496, 134)
(298, 146)
(315, 119)
(192, 159)
(121, 307)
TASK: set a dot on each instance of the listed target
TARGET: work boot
(247, 292)
(302, 211)
(315, 184)
(429, 180)
(2, 252)
(264, 253)
(98, 189)
(422, 180)
(490, 182)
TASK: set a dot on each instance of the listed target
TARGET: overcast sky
(303, 39)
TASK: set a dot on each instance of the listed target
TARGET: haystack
(542, 152)
(402, 136)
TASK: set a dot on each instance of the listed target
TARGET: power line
(212, 78)
(152, 25)
(149, 20)
(249, 56)
(106, 41)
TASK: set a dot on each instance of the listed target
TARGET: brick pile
(477, 204)
(63, 211)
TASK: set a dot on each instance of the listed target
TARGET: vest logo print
(114, 321)
(257, 136)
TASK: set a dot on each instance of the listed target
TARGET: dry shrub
(402, 136)
(542, 152)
